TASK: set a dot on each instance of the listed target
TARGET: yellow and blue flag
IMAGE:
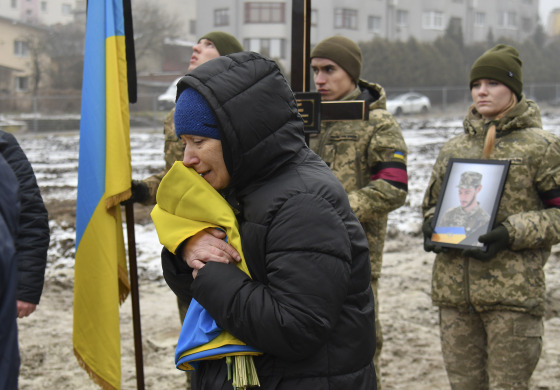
(449, 234)
(104, 177)
(186, 205)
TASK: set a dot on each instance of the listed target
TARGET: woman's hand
(208, 245)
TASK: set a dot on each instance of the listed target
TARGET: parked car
(408, 103)
(166, 101)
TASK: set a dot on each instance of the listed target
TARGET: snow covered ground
(54, 157)
(411, 356)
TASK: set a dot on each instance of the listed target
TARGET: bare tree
(152, 26)
(64, 46)
(57, 55)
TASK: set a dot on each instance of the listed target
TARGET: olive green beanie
(345, 52)
(225, 43)
(501, 63)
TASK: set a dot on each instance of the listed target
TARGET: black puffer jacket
(309, 307)
(33, 239)
(9, 213)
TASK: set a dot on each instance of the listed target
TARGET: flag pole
(129, 210)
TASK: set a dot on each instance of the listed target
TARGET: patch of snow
(54, 157)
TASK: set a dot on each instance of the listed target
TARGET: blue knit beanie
(193, 116)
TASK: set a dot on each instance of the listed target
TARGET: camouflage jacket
(369, 159)
(529, 210)
(173, 150)
(473, 221)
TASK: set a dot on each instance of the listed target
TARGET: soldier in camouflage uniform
(469, 215)
(368, 157)
(492, 302)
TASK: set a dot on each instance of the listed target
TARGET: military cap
(501, 63)
(470, 179)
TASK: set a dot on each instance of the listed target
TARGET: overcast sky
(545, 6)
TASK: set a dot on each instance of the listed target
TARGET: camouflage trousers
(378, 334)
(490, 350)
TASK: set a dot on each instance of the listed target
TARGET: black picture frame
(453, 226)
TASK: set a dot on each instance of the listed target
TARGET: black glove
(140, 193)
(428, 231)
(496, 240)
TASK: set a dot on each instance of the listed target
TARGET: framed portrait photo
(468, 202)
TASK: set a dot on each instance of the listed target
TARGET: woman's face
(490, 97)
(205, 156)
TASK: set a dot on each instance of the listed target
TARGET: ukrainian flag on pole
(104, 177)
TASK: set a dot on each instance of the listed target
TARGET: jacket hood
(257, 115)
(525, 114)
(372, 93)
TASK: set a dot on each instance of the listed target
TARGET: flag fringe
(96, 378)
(124, 284)
(115, 200)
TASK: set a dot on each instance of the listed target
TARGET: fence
(442, 97)
(62, 112)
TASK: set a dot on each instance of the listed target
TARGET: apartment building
(43, 12)
(21, 23)
(265, 25)
(554, 22)
(16, 68)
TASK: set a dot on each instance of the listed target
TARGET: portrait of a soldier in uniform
(468, 202)
(469, 215)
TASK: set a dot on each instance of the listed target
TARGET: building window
(192, 27)
(265, 13)
(526, 24)
(14, 3)
(402, 18)
(66, 9)
(374, 24)
(21, 48)
(346, 18)
(221, 17)
(44, 6)
(528, 1)
(480, 19)
(507, 19)
(314, 17)
(21, 84)
(433, 20)
(270, 47)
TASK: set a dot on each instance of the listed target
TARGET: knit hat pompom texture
(345, 52)
(193, 116)
(500, 63)
(225, 43)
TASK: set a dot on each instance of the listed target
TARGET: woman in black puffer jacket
(309, 305)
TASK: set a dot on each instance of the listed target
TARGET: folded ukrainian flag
(187, 204)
